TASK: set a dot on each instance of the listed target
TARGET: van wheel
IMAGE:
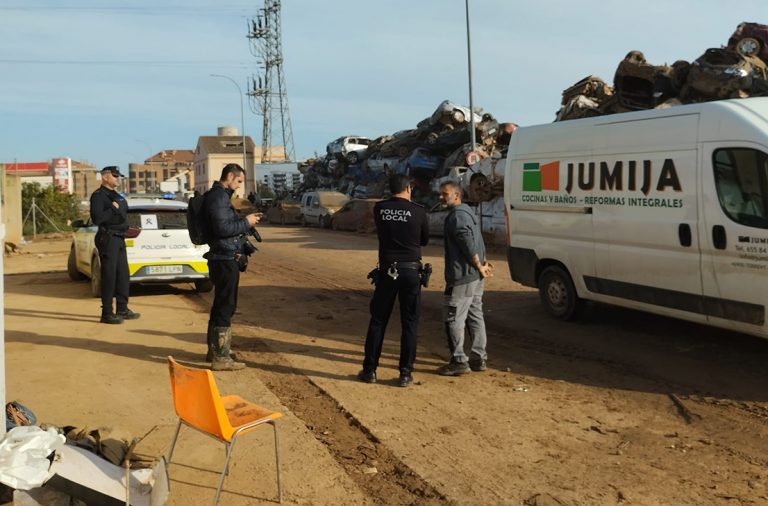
(96, 276)
(303, 221)
(557, 293)
(72, 271)
(203, 285)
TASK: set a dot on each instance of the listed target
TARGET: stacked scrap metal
(738, 70)
(436, 148)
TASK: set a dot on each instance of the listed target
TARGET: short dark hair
(231, 168)
(399, 182)
(453, 184)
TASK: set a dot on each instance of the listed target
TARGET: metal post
(242, 121)
(469, 72)
(34, 219)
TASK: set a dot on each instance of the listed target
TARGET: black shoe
(127, 314)
(112, 319)
(367, 376)
(453, 369)
(477, 365)
(405, 380)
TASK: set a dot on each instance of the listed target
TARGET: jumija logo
(538, 177)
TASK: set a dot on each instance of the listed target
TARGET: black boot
(211, 339)
(221, 359)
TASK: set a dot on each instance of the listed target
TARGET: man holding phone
(227, 257)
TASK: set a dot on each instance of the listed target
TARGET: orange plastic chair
(199, 405)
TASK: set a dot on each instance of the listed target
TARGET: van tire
(557, 293)
(72, 271)
(96, 276)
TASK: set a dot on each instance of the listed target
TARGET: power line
(231, 63)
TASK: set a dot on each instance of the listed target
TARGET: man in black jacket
(109, 211)
(226, 259)
(403, 229)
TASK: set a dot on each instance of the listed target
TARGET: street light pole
(242, 122)
(469, 72)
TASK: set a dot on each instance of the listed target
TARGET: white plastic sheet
(23, 456)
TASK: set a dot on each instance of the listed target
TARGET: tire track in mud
(373, 467)
(376, 470)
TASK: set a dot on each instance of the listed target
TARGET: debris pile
(436, 148)
(738, 70)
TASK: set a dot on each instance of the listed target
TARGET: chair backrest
(197, 400)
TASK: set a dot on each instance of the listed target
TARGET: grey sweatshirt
(463, 240)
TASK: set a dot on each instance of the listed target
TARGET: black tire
(72, 271)
(304, 221)
(324, 221)
(557, 293)
(203, 285)
(334, 225)
(96, 276)
(353, 157)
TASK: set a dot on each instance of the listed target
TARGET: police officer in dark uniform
(109, 211)
(403, 229)
(226, 259)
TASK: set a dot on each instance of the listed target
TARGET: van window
(741, 178)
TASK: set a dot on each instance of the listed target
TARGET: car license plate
(165, 269)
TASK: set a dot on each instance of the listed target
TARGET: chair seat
(241, 412)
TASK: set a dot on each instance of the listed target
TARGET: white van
(662, 210)
(317, 207)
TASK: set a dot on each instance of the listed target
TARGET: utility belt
(393, 271)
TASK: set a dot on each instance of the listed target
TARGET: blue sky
(112, 81)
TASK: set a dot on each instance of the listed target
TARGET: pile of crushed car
(738, 70)
(439, 146)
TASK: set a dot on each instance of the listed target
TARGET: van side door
(645, 216)
(734, 235)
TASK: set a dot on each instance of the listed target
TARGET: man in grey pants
(465, 269)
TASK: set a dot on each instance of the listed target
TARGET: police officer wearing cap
(402, 229)
(109, 211)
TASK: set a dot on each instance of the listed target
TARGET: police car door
(734, 235)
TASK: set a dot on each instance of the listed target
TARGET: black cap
(113, 169)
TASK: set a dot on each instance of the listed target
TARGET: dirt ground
(619, 408)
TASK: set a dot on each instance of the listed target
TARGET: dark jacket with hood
(227, 230)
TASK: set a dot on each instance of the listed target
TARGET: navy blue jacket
(109, 218)
(226, 228)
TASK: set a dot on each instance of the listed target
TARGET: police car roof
(155, 203)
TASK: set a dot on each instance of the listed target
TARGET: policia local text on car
(109, 211)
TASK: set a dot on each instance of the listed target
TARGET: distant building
(214, 152)
(71, 176)
(170, 166)
(279, 177)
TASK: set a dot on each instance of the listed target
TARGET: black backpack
(197, 222)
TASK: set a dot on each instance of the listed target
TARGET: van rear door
(734, 234)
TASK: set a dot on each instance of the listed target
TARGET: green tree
(60, 207)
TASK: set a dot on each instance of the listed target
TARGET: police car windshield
(165, 218)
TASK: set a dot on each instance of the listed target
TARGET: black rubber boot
(211, 339)
(221, 359)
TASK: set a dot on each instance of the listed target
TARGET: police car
(157, 244)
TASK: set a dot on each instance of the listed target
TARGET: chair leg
(277, 463)
(173, 442)
(225, 471)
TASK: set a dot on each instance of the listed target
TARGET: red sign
(473, 157)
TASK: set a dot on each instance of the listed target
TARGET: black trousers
(407, 288)
(114, 273)
(225, 276)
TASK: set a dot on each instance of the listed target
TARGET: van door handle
(718, 237)
(684, 233)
